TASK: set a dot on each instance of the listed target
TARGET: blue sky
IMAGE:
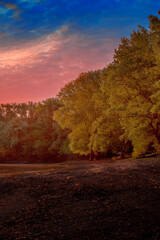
(46, 43)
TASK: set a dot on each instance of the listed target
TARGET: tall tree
(78, 110)
(132, 86)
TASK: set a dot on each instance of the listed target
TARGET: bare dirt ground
(81, 200)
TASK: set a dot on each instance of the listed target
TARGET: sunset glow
(44, 45)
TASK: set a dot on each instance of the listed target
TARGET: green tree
(132, 86)
(78, 110)
(29, 133)
(106, 129)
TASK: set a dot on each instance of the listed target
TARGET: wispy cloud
(7, 7)
(45, 43)
(29, 3)
(10, 5)
(32, 52)
(39, 69)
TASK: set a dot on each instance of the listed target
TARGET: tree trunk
(157, 137)
(91, 155)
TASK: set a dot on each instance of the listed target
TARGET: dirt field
(83, 200)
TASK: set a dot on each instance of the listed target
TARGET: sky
(46, 43)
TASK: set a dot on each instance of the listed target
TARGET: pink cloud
(30, 52)
(38, 69)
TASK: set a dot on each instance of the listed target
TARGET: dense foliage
(29, 133)
(100, 113)
(117, 109)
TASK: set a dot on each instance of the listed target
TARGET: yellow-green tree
(106, 129)
(134, 88)
(78, 110)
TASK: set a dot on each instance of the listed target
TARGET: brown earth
(83, 200)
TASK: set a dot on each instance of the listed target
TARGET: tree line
(117, 109)
(101, 113)
(28, 133)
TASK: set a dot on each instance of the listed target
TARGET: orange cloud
(10, 5)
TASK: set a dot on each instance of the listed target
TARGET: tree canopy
(124, 110)
(28, 132)
(102, 112)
